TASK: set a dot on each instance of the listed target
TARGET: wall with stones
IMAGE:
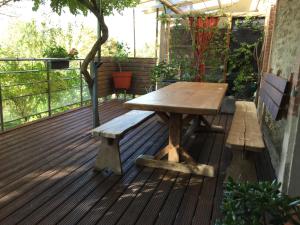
(285, 61)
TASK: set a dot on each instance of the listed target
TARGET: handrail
(46, 84)
(35, 59)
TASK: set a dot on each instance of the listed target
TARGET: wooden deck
(47, 177)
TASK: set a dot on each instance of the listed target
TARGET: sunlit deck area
(47, 175)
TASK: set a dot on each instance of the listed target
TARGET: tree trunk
(91, 55)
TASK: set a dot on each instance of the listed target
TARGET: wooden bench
(110, 135)
(245, 134)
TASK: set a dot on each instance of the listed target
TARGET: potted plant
(59, 57)
(121, 79)
(164, 73)
(258, 203)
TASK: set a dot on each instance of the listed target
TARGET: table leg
(207, 127)
(174, 150)
(175, 123)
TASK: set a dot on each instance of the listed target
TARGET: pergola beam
(172, 7)
(180, 4)
(220, 4)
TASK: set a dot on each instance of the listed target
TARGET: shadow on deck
(46, 175)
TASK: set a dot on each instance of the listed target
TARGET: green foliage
(60, 52)
(184, 68)
(55, 52)
(31, 39)
(246, 203)
(24, 84)
(243, 61)
(78, 6)
(119, 51)
(251, 23)
(183, 46)
(24, 89)
(164, 71)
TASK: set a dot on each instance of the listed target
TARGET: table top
(197, 98)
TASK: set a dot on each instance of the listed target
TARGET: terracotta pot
(122, 80)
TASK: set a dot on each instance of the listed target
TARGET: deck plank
(47, 177)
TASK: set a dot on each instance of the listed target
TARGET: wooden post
(162, 44)
(1, 109)
(134, 44)
(227, 46)
(168, 30)
(156, 33)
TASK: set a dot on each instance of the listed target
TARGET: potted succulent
(258, 203)
(121, 79)
(59, 57)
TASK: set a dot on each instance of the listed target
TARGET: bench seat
(110, 134)
(118, 126)
(244, 137)
(245, 132)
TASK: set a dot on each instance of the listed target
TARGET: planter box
(58, 64)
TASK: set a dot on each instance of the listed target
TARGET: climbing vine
(244, 59)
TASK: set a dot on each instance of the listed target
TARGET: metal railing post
(1, 109)
(49, 88)
(81, 85)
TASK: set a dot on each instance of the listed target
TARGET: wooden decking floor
(47, 177)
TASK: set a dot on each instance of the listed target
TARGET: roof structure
(205, 6)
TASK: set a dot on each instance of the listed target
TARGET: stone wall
(281, 136)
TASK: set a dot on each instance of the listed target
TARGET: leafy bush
(55, 52)
(244, 59)
(120, 52)
(246, 203)
(184, 67)
(164, 71)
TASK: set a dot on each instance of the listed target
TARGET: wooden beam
(163, 116)
(228, 34)
(180, 4)
(198, 169)
(219, 3)
(169, 5)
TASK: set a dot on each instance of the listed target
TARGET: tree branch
(5, 2)
(101, 40)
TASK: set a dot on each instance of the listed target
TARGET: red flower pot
(122, 80)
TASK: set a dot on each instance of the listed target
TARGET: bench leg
(109, 156)
(242, 166)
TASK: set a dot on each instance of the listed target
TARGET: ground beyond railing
(30, 89)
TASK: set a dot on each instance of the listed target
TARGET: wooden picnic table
(178, 104)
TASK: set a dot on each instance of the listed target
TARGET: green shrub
(246, 203)
(55, 52)
(164, 71)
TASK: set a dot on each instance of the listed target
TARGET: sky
(120, 26)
